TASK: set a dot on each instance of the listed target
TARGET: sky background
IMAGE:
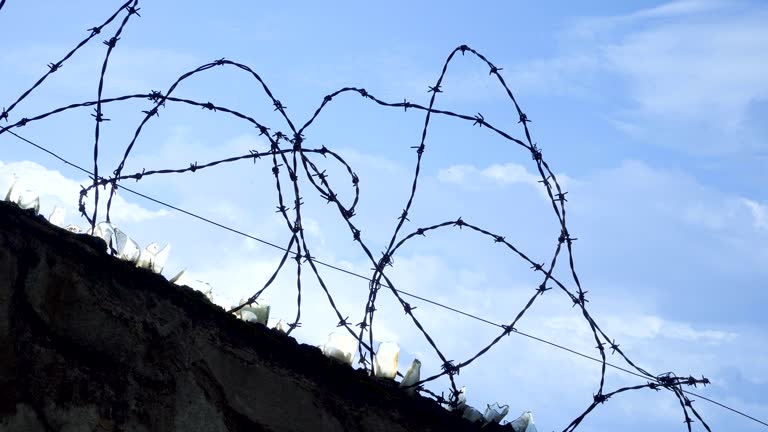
(650, 113)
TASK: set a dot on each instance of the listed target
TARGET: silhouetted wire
(357, 275)
(99, 116)
(448, 366)
(554, 191)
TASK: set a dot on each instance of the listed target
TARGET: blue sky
(649, 112)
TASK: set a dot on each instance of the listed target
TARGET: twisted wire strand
(287, 162)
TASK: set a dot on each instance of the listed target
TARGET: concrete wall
(90, 343)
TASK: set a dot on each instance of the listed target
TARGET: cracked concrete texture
(91, 343)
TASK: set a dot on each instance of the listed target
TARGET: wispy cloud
(510, 173)
(456, 173)
(507, 174)
(759, 213)
(631, 213)
(710, 69)
(130, 70)
(593, 26)
(696, 63)
(678, 8)
(56, 189)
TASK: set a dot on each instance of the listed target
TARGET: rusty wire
(291, 162)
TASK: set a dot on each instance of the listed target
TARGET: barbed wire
(291, 163)
(439, 398)
(98, 117)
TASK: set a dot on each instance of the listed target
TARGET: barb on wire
(56, 66)
(99, 117)
(294, 165)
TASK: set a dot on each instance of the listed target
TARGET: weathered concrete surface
(90, 343)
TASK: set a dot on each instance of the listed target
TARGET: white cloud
(696, 62)
(312, 227)
(677, 8)
(502, 175)
(724, 212)
(640, 203)
(510, 173)
(245, 142)
(56, 189)
(641, 326)
(456, 173)
(629, 128)
(709, 70)
(562, 74)
(378, 162)
(130, 69)
(671, 194)
(592, 26)
(759, 213)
